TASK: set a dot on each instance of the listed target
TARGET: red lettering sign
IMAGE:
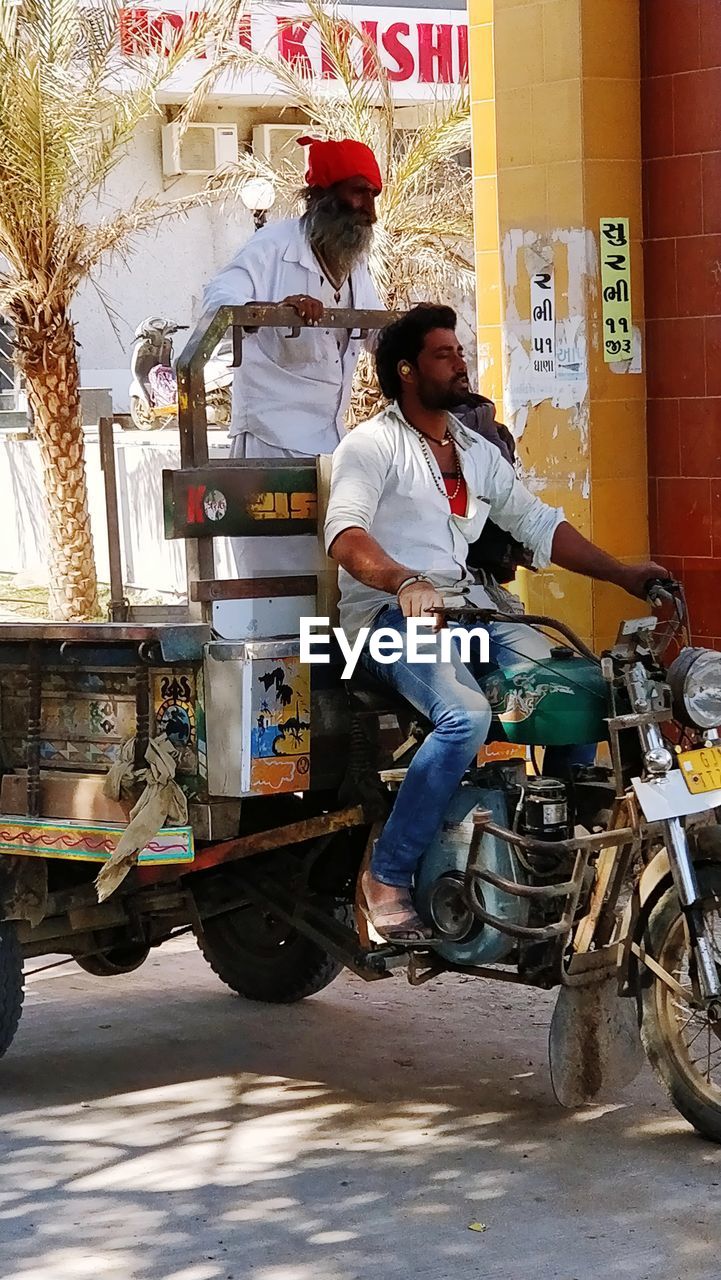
(328, 67)
(245, 34)
(427, 53)
(290, 44)
(195, 511)
(370, 65)
(392, 43)
(462, 52)
(435, 53)
(144, 31)
(165, 31)
(133, 26)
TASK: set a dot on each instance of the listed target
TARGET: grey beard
(337, 233)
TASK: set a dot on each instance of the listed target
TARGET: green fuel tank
(560, 702)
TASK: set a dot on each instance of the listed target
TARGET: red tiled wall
(681, 119)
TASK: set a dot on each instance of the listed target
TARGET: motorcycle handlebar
(660, 591)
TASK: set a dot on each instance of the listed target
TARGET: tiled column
(561, 119)
(485, 198)
(681, 97)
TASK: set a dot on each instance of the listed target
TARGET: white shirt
(381, 482)
(290, 392)
(336, 300)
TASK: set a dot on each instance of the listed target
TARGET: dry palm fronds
(69, 105)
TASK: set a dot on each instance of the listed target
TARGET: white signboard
(543, 324)
(423, 50)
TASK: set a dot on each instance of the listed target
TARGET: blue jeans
(449, 696)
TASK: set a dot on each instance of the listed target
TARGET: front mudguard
(656, 879)
(140, 391)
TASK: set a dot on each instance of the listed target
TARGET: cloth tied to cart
(161, 803)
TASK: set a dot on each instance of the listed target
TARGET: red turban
(331, 162)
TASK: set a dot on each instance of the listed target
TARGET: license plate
(701, 769)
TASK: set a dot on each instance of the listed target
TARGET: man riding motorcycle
(411, 489)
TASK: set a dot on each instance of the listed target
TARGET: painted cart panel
(89, 842)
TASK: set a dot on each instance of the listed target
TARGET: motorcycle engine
(543, 811)
(439, 881)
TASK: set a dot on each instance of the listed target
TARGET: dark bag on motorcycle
(495, 552)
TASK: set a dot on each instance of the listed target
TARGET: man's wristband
(414, 577)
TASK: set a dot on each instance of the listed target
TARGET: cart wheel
(111, 964)
(262, 958)
(12, 988)
(682, 1044)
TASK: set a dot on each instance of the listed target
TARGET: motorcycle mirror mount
(158, 324)
(660, 591)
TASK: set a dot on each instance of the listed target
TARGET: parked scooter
(154, 388)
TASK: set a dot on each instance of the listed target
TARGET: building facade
(597, 164)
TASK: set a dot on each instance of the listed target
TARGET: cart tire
(12, 987)
(662, 1013)
(114, 963)
(263, 959)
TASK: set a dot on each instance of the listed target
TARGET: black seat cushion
(373, 697)
(368, 696)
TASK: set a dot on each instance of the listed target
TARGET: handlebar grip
(661, 590)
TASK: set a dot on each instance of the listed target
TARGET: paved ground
(156, 1128)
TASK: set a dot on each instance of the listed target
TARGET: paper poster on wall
(571, 359)
(616, 289)
(543, 324)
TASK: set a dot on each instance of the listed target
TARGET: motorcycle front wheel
(144, 420)
(682, 1043)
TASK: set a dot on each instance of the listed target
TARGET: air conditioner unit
(277, 144)
(201, 149)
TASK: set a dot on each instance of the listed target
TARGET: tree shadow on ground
(163, 1130)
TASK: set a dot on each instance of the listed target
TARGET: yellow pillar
(556, 146)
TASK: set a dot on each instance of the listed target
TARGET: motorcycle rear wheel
(682, 1044)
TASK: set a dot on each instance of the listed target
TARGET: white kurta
(290, 395)
(291, 392)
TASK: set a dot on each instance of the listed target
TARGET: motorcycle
(605, 884)
(154, 391)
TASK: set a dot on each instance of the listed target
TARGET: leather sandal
(395, 923)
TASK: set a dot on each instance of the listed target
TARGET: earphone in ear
(405, 369)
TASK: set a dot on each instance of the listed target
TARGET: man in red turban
(290, 395)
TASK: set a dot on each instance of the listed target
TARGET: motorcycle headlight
(694, 678)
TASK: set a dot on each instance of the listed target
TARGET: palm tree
(69, 105)
(423, 242)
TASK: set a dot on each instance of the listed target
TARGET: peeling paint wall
(567, 153)
(572, 255)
